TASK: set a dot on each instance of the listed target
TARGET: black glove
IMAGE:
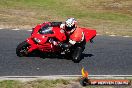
(64, 45)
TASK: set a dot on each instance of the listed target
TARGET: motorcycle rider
(73, 32)
(75, 38)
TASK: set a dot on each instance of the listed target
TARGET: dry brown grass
(106, 16)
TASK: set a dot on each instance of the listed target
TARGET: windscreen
(46, 30)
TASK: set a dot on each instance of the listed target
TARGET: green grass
(10, 84)
(107, 17)
(34, 84)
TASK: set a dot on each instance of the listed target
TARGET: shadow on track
(56, 56)
(86, 55)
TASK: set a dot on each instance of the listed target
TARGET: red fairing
(35, 30)
(59, 34)
(89, 33)
(77, 35)
(32, 43)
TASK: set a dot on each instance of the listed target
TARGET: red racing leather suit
(75, 37)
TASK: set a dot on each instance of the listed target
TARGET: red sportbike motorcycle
(41, 38)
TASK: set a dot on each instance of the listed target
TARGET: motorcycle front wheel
(22, 49)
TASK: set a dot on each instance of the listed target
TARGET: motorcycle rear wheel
(22, 49)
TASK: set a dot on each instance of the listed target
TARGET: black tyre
(22, 49)
(76, 56)
(68, 56)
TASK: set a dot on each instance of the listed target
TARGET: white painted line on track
(57, 76)
(112, 35)
(54, 77)
(29, 30)
(126, 36)
(98, 34)
(106, 32)
(16, 29)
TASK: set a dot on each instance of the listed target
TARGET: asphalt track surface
(107, 56)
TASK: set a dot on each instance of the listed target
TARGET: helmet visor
(70, 28)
